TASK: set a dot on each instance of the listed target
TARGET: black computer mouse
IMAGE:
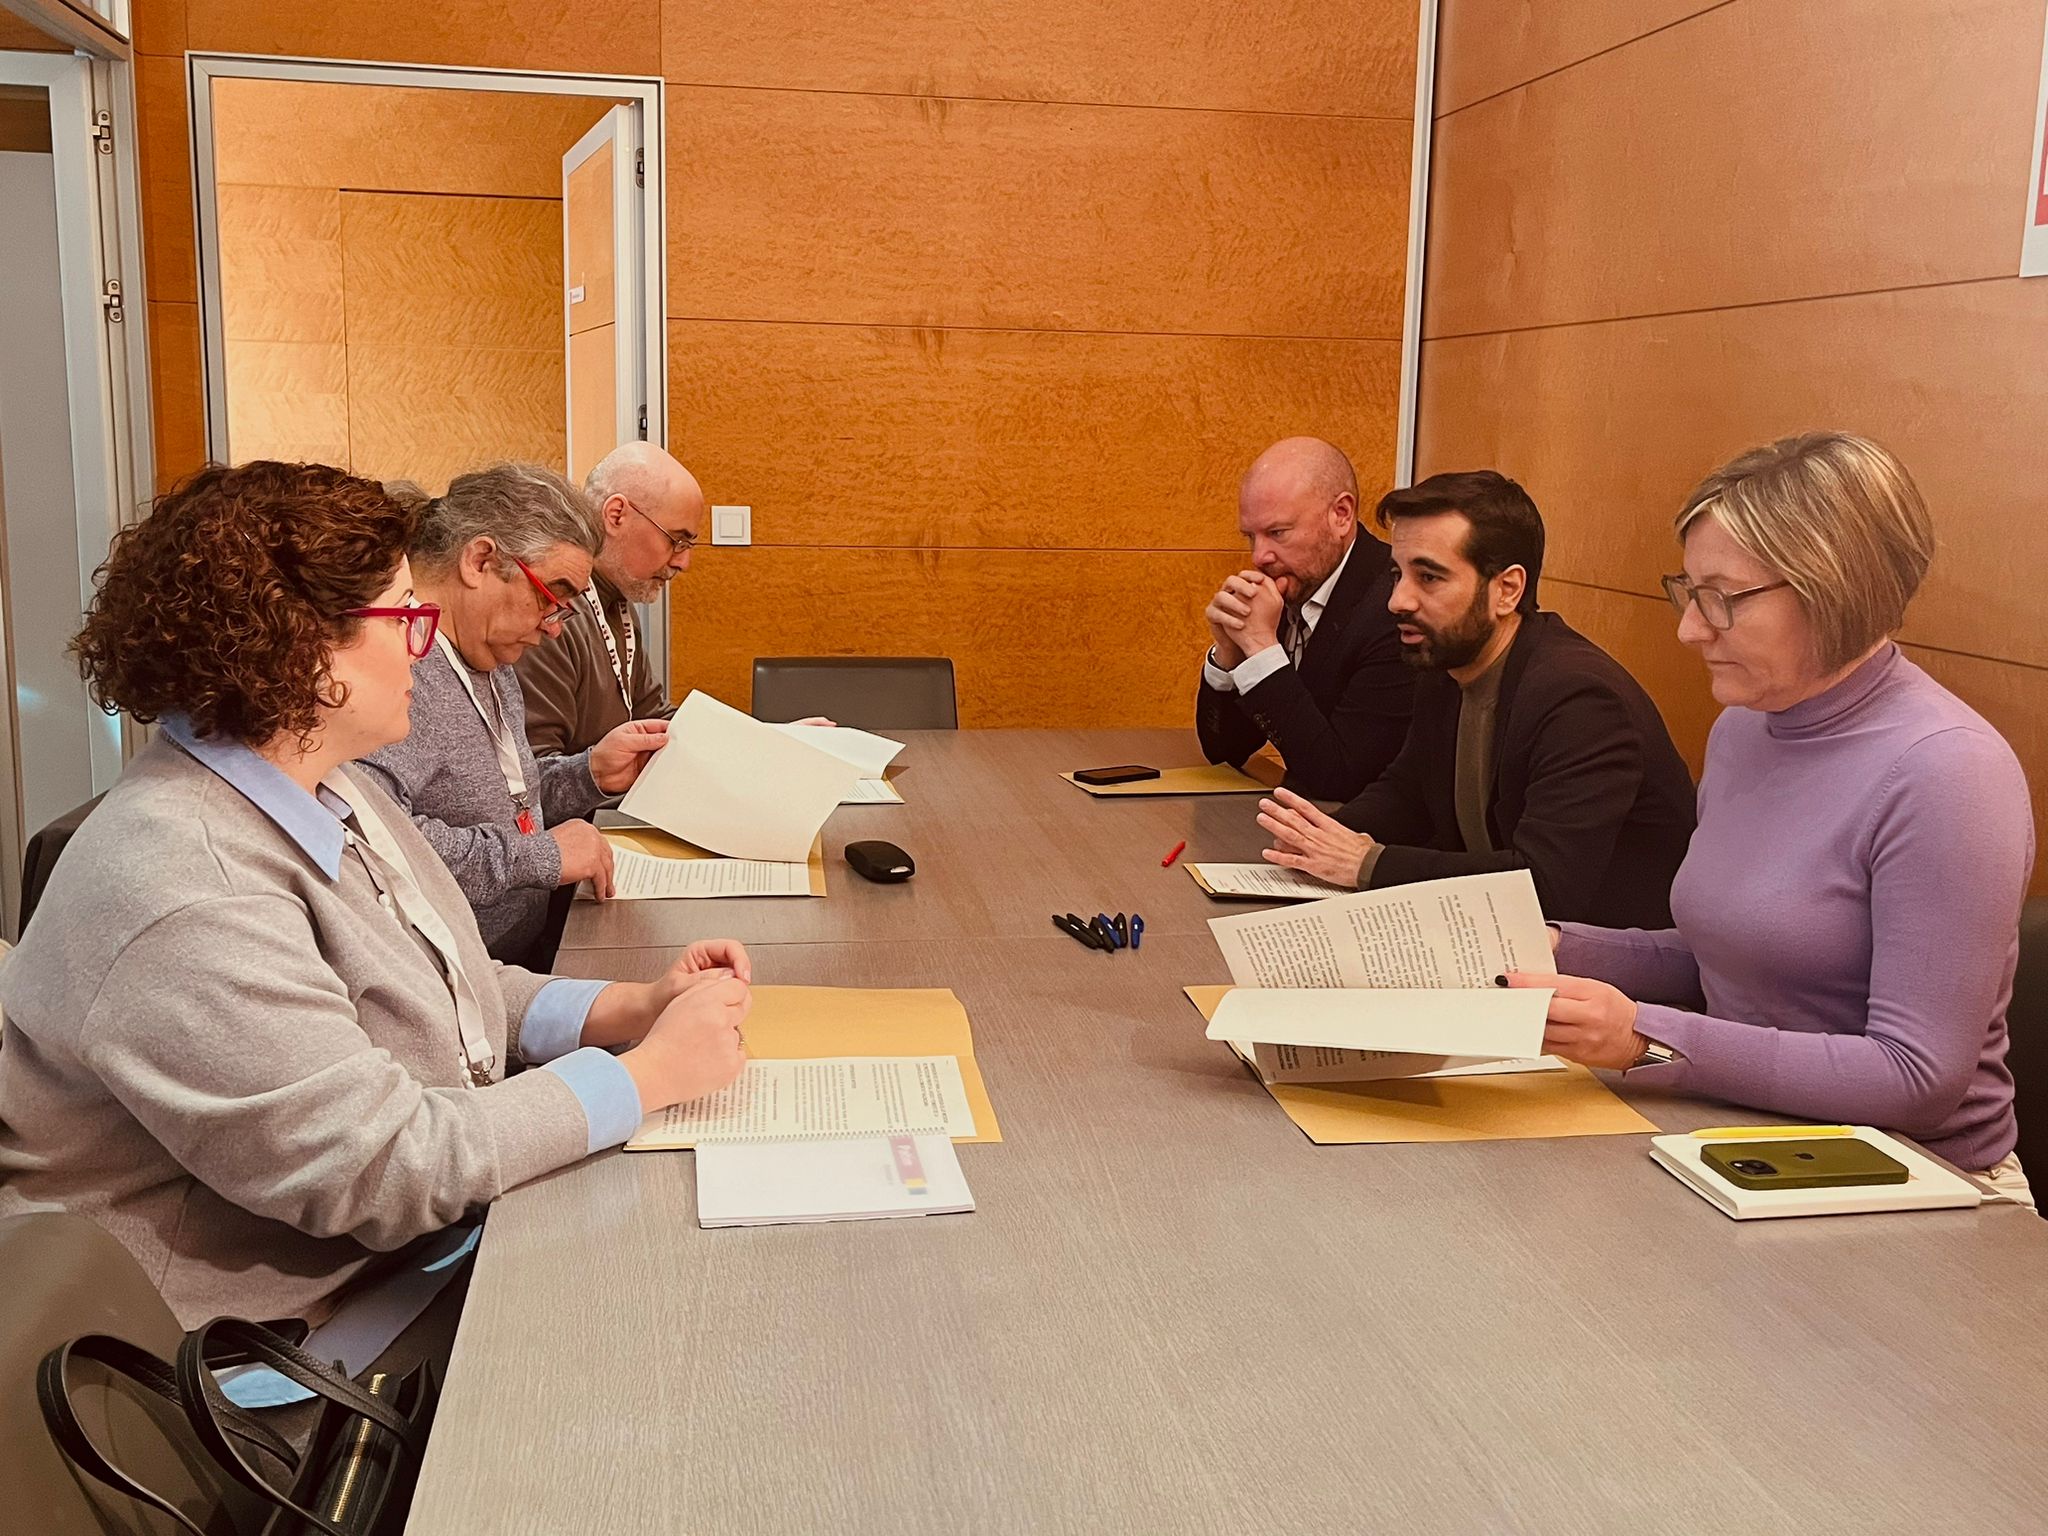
(882, 862)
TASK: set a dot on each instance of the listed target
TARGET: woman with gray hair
(1847, 917)
(504, 551)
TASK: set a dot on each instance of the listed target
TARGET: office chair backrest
(873, 693)
(62, 1277)
(39, 861)
(2027, 1022)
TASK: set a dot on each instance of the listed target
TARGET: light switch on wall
(732, 525)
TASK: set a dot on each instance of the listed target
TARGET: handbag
(354, 1476)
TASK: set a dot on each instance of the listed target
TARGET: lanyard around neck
(391, 872)
(622, 671)
(501, 738)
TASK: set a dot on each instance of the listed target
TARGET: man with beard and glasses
(1303, 653)
(593, 675)
(1531, 748)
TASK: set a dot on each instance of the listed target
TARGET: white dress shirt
(1259, 666)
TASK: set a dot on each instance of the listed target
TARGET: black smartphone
(1819, 1162)
(1128, 773)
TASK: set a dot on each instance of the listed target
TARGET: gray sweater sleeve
(487, 860)
(221, 1034)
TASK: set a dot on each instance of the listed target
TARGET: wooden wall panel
(1002, 615)
(288, 400)
(20, 36)
(1642, 634)
(387, 139)
(177, 391)
(799, 206)
(1356, 59)
(1756, 152)
(157, 26)
(1609, 426)
(612, 37)
(905, 436)
(1488, 46)
(588, 211)
(593, 369)
(280, 266)
(24, 120)
(169, 253)
(470, 271)
(424, 411)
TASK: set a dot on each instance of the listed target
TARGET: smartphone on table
(1125, 773)
(1819, 1163)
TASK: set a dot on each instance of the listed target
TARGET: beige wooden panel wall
(985, 306)
(371, 319)
(1663, 232)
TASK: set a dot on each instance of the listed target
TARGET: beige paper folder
(1209, 779)
(795, 1023)
(662, 845)
(1512, 1107)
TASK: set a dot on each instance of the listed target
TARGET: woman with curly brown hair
(252, 1029)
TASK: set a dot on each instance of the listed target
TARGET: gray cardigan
(446, 776)
(242, 1067)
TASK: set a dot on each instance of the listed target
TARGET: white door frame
(1418, 243)
(202, 69)
(105, 316)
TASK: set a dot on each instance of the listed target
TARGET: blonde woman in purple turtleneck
(1846, 921)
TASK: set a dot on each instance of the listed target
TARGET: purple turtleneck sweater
(1847, 917)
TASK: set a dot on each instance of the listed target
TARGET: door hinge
(110, 301)
(103, 132)
(639, 167)
(643, 423)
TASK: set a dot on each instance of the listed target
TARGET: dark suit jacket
(1589, 795)
(1339, 718)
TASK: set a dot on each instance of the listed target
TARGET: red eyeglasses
(554, 610)
(421, 620)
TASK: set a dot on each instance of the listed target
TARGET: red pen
(1177, 847)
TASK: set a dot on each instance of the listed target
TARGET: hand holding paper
(732, 784)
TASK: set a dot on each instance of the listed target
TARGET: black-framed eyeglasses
(1716, 607)
(678, 543)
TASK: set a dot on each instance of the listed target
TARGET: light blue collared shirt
(550, 1035)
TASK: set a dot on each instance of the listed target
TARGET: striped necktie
(1293, 635)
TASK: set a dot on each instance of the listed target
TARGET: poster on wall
(2034, 243)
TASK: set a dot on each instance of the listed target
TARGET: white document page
(1274, 880)
(643, 877)
(832, 1096)
(866, 751)
(736, 786)
(1437, 1021)
(848, 1178)
(1460, 932)
(873, 792)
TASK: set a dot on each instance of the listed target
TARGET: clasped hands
(684, 1027)
(1244, 617)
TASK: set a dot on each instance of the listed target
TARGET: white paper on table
(1442, 1021)
(1460, 932)
(874, 792)
(1312, 1064)
(1263, 880)
(841, 1178)
(829, 1096)
(866, 751)
(643, 877)
(737, 786)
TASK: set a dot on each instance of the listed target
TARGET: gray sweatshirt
(446, 776)
(222, 1049)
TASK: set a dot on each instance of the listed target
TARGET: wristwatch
(1654, 1055)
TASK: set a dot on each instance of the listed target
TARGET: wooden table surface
(1171, 1312)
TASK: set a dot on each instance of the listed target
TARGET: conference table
(1170, 1312)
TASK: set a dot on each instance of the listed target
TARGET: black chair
(2027, 1021)
(874, 693)
(44, 849)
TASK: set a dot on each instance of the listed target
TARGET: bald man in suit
(1304, 653)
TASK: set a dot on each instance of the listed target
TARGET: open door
(600, 255)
